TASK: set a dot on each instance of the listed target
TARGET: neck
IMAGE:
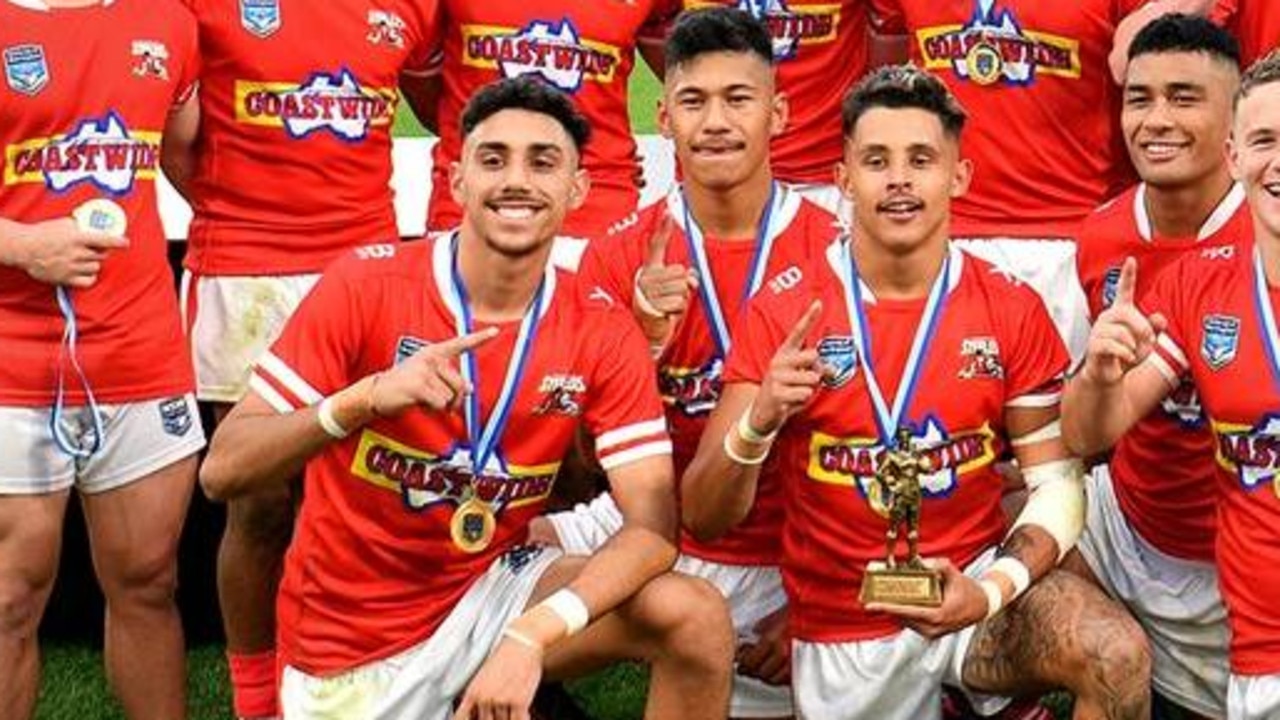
(499, 286)
(1180, 212)
(900, 276)
(732, 213)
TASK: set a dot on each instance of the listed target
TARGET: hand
(665, 288)
(543, 532)
(429, 378)
(792, 379)
(503, 688)
(1122, 336)
(963, 604)
(769, 658)
(57, 252)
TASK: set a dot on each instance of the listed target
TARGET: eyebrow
(912, 148)
(537, 147)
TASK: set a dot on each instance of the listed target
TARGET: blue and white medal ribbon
(74, 447)
(485, 440)
(1262, 301)
(765, 236)
(889, 419)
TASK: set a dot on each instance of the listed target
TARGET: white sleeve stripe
(292, 381)
(1040, 400)
(1174, 351)
(627, 433)
(1170, 375)
(639, 452)
(268, 393)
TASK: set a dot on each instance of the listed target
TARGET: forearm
(14, 238)
(255, 448)
(631, 558)
(179, 167)
(718, 488)
(1094, 415)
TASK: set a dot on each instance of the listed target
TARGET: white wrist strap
(521, 639)
(566, 604)
(750, 434)
(742, 459)
(1016, 571)
(995, 600)
(328, 422)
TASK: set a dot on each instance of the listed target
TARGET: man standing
(287, 164)
(894, 328)
(431, 391)
(1149, 536)
(1212, 318)
(95, 387)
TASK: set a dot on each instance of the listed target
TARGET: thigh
(30, 542)
(1060, 629)
(134, 529)
(31, 463)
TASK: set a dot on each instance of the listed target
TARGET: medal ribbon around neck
(1262, 302)
(484, 441)
(765, 237)
(889, 419)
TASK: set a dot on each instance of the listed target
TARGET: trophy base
(901, 585)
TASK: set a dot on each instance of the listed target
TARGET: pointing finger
(795, 340)
(458, 345)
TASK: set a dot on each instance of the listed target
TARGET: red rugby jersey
(297, 100)
(994, 346)
(689, 371)
(1043, 132)
(86, 95)
(1162, 468)
(1255, 23)
(820, 50)
(1216, 336)
(373, 569)
(585, 49)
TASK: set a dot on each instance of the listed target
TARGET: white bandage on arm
(1049, 431)
(586, 527)
(1056, 503)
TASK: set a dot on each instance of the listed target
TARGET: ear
(1233, 158)
(842, 179)
(455, 184)
(960, 181)
(579, 188)
(780, 115)
(664, 119)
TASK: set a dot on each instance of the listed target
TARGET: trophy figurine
(895, 493)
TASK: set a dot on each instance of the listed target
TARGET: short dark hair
(717, 29)
(526, 93)
(902, 86)
(1262, 72)
(1179, 33)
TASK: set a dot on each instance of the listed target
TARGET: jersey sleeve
(1165, 297)
(425, 56)
(1037, 361)
(887, 17)
(610, 264)
(624, 411)
(186, 55)
(318, 349)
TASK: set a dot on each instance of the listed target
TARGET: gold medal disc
(473, 526)
(984, 63)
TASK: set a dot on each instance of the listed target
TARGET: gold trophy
(895, 494)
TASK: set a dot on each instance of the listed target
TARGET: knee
(688, 620)
(141, 578)
(22, 600)
(263, 522)
(1116, 658)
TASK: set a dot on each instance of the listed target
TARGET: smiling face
(900, 170)
(1177, 116)
(517, 178)
(720, 110)
(1255, 155)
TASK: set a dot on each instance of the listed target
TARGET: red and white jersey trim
(281, 387)
(629, 443)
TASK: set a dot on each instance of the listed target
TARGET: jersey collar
(1217, 219)
(442, 273)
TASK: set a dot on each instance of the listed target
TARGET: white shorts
(423, 681)
(1253, 697)
(893, 678)
(139, 439)
(230, 321)
(753, 592)
(1176, 601)
(1049, 267)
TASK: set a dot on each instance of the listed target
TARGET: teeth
(516, 213)
(1162, 149)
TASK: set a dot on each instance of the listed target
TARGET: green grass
(642, 97)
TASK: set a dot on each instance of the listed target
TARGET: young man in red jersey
(95, 387)
(894, 340)
(1149, 536)
(431, 391)
(1212, 318)
(1035, 78)
(820, 49)
(731, 225)
(586, 50)
(287, 164)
